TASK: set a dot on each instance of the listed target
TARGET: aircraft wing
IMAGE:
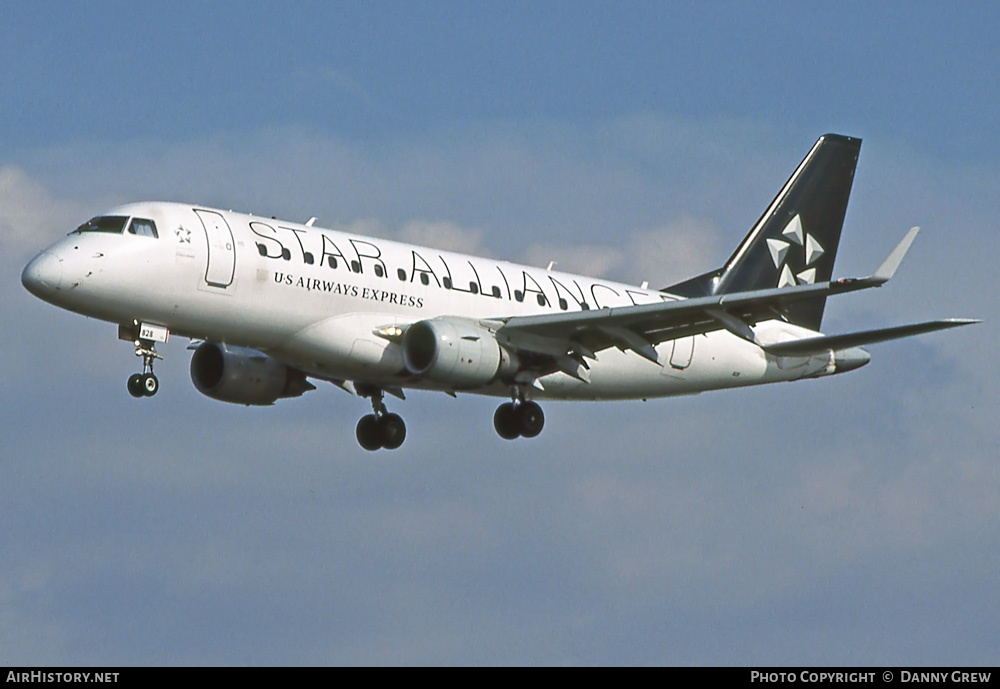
(640, 327)
(816, 345)
(569, 338)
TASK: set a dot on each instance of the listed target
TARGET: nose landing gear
(144, 384)
(381, 429)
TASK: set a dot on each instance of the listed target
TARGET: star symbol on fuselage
(183, 234)
(793, 235)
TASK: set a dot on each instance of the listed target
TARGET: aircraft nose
(43, 275)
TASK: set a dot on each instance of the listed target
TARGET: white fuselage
(312, 298)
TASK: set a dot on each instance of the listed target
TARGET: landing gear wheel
(135, 385)
(380, 429)
(392, 431)
(150, 384)
(144, 384)
(368, 433)
(530, 419)
(505, 422)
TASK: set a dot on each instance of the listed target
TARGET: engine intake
(455, 352)
(244, 376)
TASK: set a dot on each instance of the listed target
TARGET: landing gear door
(221, 249)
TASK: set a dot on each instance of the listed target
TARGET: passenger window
(142, 228)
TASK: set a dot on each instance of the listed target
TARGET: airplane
(270, 305)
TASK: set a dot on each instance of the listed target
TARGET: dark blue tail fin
(795, 241)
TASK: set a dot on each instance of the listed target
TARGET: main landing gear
(381, 429)
(144, 384)
(518, 418)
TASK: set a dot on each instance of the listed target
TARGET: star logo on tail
(795, 239)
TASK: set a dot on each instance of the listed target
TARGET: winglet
(891, 263)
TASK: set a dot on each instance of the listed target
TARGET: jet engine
(244, 376)
(457, 353)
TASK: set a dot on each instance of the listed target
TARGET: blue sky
(846, 521)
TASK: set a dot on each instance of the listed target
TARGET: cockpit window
(114, 224)
(142, 228)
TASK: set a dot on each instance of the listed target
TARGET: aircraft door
(221, 249)
(682, 352)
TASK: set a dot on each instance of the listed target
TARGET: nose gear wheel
(144, 384)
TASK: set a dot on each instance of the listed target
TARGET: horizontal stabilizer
(818, 345)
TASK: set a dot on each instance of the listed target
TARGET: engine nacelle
(244, 376)
(457, 353)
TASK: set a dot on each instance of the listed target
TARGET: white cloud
(679, 249)
(30, 215)
(585, 259)
(444, 235)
